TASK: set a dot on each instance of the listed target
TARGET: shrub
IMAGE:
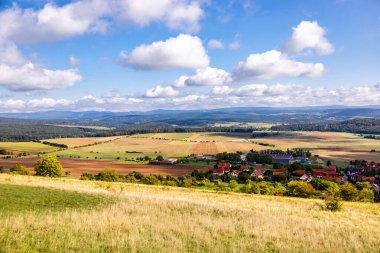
(48, 166)
(3, 152)
(233, 184)
(19, 170)
(87, 176)
(332, 203)
(348, 192)
(151, 179)
(1, 169)
(366, 195)
(301, 189)
(107, 175)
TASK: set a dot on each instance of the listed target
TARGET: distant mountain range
(205, 117)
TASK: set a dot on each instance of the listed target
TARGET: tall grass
(163, 219)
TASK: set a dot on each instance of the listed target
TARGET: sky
(128, 55)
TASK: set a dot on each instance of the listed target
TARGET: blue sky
(141, 55)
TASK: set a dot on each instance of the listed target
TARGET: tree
(159, 158)
(366, 195)
(328, 163)
(19, 170)
(48, 166)
(301, 189)
(3, 152)
(348, 192)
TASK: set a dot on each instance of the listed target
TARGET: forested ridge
(360, 126)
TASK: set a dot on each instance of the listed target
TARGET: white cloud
(274, 64)
(204, 77)
(161, 92)
(215, 44)
(184, 51)
(52, 22)
(177, 14)
(31, 77)
(309, 37)
(73, 61)
(48, 103)
(222, 90)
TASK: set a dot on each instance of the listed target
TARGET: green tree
(159, 158)
(48, 166)
(348, 192)
(301, 189)
(19, 170)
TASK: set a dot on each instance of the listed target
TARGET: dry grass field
(165, 219)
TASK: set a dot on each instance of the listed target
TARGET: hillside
(360, 125)
(141, 218)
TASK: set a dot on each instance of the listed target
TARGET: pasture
(141, 218)
(28, 147)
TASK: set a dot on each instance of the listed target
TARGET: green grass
(29, 147)
(16, 199)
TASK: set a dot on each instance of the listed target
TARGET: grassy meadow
(28, 147)
(141, 218)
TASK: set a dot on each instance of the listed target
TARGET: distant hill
(206, 117)
(358, 125)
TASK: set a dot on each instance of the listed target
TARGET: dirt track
(79, 166)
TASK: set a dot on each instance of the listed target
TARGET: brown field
(79, 166)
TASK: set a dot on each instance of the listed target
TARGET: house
(299, 172)
(218, 172)
(281, 158)
(331, 168)
(244, 168)
(234, 173)
(226, 166)
(280, 172)
(306, 178)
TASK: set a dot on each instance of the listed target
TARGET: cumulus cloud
(215, 44)
(31, 77)
(309, 37)
(274, 64)
(53, 22)
(161, 92)
(204, 77)
(177, 14)
(183, 51)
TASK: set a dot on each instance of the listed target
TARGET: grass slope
(16, 199)
(162, 219)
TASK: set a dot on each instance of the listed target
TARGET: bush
(107, 175)
(87, 176)
(151, 179)
(332, 203)
(48, 166)
(3, 152)
(301, 189)
(19, 170)
(348, 192)
(366, 195)
(233, 184)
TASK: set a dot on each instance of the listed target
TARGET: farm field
(329, 145)
(141, 218)
(28, 147)
(79, 166)
(75, 142)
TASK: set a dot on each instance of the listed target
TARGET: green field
(28, 147)
(141, 218)
(17, 199)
